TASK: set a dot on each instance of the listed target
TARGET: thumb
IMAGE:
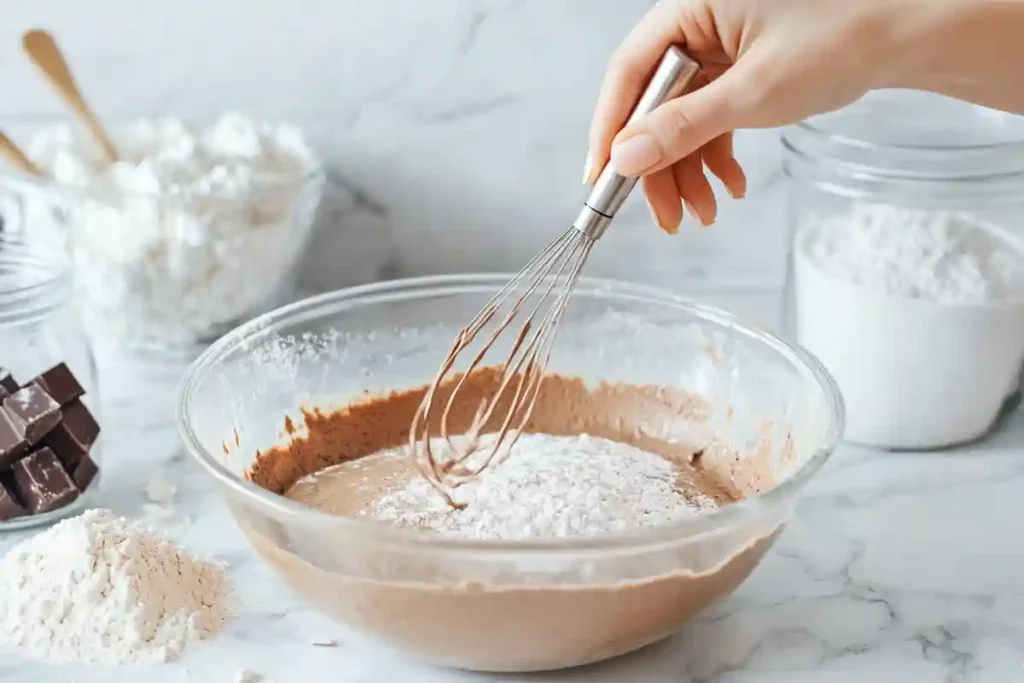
(681, 126)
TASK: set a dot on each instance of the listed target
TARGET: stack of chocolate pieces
(46, 435)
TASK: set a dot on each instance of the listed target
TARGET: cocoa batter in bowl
(300, 417)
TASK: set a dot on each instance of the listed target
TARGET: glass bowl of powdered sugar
(193, 230)
(664, 456)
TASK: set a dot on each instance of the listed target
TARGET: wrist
(931, 38)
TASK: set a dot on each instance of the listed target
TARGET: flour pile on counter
(99, 588)
(550, 486)
(191, 230)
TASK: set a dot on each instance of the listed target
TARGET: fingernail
(705, 222)
(637, 154)
(740, 181)
(588, 168)
(656, 219)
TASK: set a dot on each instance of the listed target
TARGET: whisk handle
(674, 74)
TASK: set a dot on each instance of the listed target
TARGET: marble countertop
(898, 567)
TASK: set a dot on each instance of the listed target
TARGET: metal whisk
(538, 296)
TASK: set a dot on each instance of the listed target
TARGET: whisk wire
(513, 366)
(533, 375)
(539, 263)
(526, 367)
(520, 375)
(559, 263)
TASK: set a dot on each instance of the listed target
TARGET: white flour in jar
(919, 315)
(192, 231)
(99, 588)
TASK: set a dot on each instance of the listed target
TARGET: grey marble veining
(897, 568)
(454, 130)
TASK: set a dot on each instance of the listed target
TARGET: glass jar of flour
(49, 428)
(906, 266)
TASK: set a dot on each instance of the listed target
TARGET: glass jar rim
(861, 143)
(909, 136)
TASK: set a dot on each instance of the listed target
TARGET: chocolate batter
(642, 416)
(548, 618)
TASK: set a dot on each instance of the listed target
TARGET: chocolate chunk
(9, 505)
(74, 436)
(42, 483)
(36, 410)
(60, 384)
(12, 438)
(85, 472)
(7, 381)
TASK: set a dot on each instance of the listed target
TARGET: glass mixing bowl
(500, 605)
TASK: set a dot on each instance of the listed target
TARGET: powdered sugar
(933, 255)
(549, 486)
(101, 588)
(191, 231)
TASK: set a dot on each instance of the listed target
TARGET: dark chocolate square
(85, 472)
(60, 384)
(41, 482)
(12, 438)
(36, 410)
(74, 436)
(7, 381)
(10, 507)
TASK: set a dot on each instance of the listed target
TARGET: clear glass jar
(906, 365)
(39, 327)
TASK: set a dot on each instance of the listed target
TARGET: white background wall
(455, 130)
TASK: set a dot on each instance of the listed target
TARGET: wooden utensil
(41, 48)
(16, 157)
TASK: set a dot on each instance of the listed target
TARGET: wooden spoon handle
(44, 53)
(13, 154)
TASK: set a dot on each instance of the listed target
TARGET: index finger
(624, 79)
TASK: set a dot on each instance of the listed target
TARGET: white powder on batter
(932, 255)
(549, 486)
(99, 588)
(191, 231)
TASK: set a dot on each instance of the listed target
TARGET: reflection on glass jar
(39, 330)
(906, 266)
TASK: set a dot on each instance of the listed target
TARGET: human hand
(765, 63)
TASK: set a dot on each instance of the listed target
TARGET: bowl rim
(281, 508)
